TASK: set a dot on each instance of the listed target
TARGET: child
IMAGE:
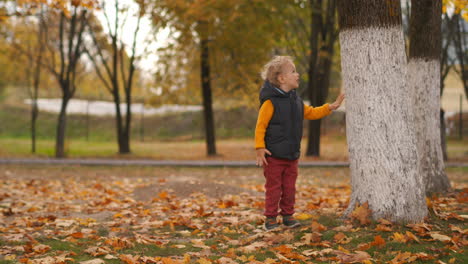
(278, 136)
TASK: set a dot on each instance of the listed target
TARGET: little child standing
(278, 135)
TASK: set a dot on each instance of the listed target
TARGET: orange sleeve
(264, 116)
(313, 113)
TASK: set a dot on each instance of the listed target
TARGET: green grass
(15, 120)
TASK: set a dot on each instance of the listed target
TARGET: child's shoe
(290, 222)
(270, 223)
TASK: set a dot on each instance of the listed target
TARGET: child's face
(289, 78)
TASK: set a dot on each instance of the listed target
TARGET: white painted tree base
(424, 82)
(382, 145)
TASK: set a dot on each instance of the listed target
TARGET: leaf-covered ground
(196, 215)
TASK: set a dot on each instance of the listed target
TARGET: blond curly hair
(274, 67)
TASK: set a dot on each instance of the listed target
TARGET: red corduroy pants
(280, 186)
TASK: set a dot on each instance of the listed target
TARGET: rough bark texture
(424, 83)
(369, 13)
(382, 144)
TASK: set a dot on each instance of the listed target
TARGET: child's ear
(280, 78)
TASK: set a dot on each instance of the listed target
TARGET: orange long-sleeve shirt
(266, 113)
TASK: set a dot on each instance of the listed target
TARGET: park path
(175, 163)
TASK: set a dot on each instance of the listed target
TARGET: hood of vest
(269, 90)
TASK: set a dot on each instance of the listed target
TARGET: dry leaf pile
(94, 221)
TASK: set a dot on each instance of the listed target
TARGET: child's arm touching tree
(314, 113)
(335, 105)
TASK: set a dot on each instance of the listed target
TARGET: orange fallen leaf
(317, 227)
(129, 259)
(378, 241)
(357, 257)
(364, 246)
(362, 213)
(405, 257)
(384, 228)
(398, 237)
(411, 236)
(341, 238)
(163, 195)
(77, 235)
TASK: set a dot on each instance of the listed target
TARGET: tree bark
(319, 75)
(207, 100)
(60, 151)
(313, 143)
(424, 83)
(382, 145)
(443, 135)
(37, 80)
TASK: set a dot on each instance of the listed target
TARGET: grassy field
(171, 136)
(196, 215)
(332, 148)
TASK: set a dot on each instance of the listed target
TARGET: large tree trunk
(207, 100)
(382, 144)
(424, 83)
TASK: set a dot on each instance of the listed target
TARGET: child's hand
(261, 160)
(337, 103)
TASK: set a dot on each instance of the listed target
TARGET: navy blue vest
(284, 132)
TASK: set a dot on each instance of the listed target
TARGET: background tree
(320, 61)
(72, 17)
(222, 45)
(112, 64)
(382, 145)
(33, 57)
(424, 82)
(310, 35)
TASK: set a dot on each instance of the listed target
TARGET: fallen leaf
(362, 213)
(317, 227)
(341, 238)
(398, 237)
(163, 195)
(384, 228)
(254, 246)
(204, 261)
(378, 241)
(129, 259)
(405, 257)
(358, 257)
(440, 237)
(225, 260)
(411, 236)
(303, 216)
(93, 261)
